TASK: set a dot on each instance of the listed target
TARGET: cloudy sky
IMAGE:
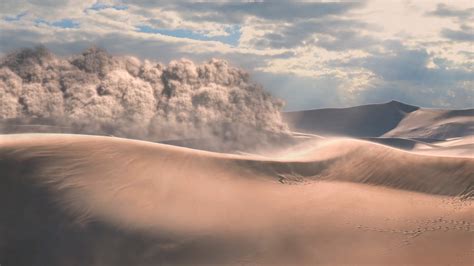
(311, 54)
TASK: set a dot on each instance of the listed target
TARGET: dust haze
(97, 93)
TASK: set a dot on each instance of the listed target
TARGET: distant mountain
(393, 119)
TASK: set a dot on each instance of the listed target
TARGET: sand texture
(94, 200)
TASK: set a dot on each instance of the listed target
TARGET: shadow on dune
(361, 121)
(36, 230)
(401, 143)
(391, 120)
(431, 175)
(36, 227)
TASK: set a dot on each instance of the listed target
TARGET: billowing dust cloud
(97, 93)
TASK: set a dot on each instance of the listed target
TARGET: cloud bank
(97, 93)
(312, 54)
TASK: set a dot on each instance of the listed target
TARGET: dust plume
(98, 93)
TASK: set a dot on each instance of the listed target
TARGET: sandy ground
(77, 200)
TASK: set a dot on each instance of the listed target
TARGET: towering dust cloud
(97, 93)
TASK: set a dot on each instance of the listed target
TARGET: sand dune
(402, 143)
(394, 124)
(76, 200)
(463, 146)
(393, 119)
(435, 124)
(371, 120)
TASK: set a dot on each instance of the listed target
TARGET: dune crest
(391, 120)
(346, 160)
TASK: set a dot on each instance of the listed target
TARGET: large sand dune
(393, 119)
(84, 200)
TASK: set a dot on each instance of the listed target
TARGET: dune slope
(435, 124)
(392, 119)
(371, 120)
(100, 201)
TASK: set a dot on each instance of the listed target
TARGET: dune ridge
(102, 200)
(393, 119)
(346, 160)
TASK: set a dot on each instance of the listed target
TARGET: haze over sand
(73, 199)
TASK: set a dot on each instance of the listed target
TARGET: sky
(310, 54)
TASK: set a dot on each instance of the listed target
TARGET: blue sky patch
(63, 23)
(232, 38)
(100, 6)
(66, 24)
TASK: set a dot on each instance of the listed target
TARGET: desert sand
(95, 200)
(393, 119)
(442, 132)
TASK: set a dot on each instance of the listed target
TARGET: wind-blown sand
(90, 200)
